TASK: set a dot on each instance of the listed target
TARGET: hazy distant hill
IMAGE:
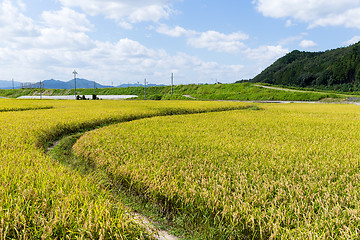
(337, 69)
(9, 84)
(57, 84)
(80, 83)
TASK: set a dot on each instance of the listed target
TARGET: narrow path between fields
(141, 219)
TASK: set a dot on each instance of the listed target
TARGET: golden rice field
(9, 105)
(288, 171)
(43, 199)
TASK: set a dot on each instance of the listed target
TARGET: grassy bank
(236, 91)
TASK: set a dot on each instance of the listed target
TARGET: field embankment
(290, 171)
(236, 91)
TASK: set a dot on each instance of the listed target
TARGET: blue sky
(200, 41)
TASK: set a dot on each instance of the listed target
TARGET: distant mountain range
(57, 84)
(80, 83)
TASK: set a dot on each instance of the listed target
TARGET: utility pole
(145, 88)
(75, 73)
(172, 83)
(94, 87)
(40, 91)
(13, 85)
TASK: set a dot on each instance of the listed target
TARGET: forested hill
(337, 69)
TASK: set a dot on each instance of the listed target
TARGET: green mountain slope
(337, 69)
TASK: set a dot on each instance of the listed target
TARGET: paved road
(282, 89)
(188, 96)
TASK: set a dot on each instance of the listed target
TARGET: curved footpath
(140, 219)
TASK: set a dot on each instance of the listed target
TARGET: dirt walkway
(140, 219)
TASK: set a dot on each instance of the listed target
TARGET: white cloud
(314, 12)
(211, 40)
(149, 13)
(349, 18)
(220, 42)
(267, 52)
(307, 44)
(229, 43)
(266, 55)
(125, 12)
(14, 26)
(68, 19)
(176, 31)
(58, 29)
(292, 39)
(353, 40)
(289, 23)
(60, 38)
